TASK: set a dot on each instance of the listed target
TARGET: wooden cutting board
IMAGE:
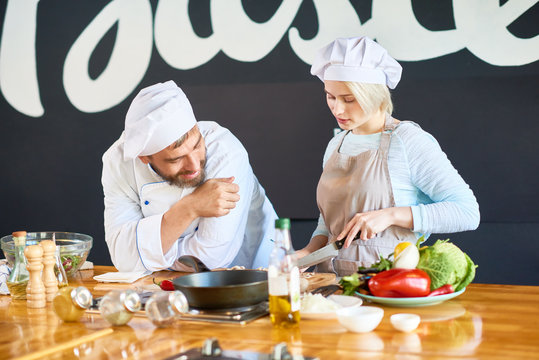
(318, 279)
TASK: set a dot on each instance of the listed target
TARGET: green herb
(380, 265)
(351, 283)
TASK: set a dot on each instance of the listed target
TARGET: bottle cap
(18, 234)
(131, 300)
(82, 297)
(179, 302)
(282, 223)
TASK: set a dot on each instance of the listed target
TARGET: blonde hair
(371, 97)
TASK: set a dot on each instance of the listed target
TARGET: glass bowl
(74, 247)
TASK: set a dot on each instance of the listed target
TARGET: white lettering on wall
(484, 31)
(330, 26)
(175, 38)
(395, 27)
(128, 62)
(18, 71)
(481, 27)
(245, 40)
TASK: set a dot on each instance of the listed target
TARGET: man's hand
(216, 197)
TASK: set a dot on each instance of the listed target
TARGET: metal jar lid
(131, 300)
(82, 297)
(178, 301)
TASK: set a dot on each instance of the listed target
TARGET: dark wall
(484, 115)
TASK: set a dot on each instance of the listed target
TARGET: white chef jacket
(136, 198)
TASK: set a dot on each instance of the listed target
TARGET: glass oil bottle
(19, 276)
(283, 279)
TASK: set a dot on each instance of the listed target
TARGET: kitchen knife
(327, 252)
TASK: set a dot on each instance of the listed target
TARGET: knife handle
(340, 243)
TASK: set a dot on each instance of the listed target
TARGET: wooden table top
(486, 322)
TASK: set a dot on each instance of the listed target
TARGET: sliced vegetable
(400, 283)
(70, 263)
(442, 290)
(400, 248)
(165, 285)
(406, 256)
(385, 263)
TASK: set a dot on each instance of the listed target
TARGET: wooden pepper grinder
(49, 260)
(35, 292)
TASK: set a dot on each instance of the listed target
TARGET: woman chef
(383, 180)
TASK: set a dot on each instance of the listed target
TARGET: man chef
(174, 186)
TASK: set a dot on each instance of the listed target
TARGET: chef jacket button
(146, 202)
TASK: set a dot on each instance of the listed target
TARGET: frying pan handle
(193, 262)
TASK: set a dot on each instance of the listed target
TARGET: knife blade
(316, 257)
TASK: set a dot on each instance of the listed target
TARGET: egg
(407, 257)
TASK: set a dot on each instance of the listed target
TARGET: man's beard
(177, 180)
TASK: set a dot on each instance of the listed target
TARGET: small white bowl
(360, 319)
(405, 322)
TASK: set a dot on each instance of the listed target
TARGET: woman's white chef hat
(358, 59)
(159, 115)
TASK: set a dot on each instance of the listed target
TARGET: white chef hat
(358, 59)
(159, 115)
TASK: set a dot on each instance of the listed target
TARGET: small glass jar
(118, 306)
(70, 302)
(164, 307)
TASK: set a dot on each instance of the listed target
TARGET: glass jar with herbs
(118, 306)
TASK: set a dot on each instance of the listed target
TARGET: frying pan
(221, 289)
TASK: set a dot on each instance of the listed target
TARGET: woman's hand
(368, 224)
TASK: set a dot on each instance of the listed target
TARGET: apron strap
(389, 126)
(338, 149)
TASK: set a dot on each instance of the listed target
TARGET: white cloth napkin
(121, 277)
(87, 265)
(4, 275)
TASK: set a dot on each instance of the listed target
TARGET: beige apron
(356, 184)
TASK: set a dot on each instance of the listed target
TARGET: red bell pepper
(442, 290)
(400, 283)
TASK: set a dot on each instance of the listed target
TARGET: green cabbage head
(446, 264)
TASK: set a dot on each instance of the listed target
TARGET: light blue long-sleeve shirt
(422, 177)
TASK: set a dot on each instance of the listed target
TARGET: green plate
(411, 301)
